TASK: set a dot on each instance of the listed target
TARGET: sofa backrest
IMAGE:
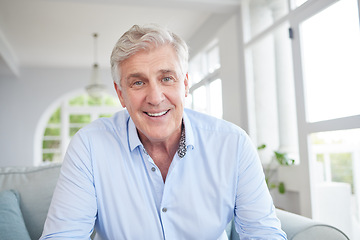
(302, 228)
(35, 186)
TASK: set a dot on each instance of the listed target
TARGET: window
(331, 60)
(302, 77)
(337, 156)
(69, 117)
(205, 84)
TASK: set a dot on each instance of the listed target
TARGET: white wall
(25, 99)
(232, 73)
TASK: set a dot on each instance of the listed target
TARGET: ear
(186, 83)
(120, 94)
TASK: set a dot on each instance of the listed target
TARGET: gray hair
(146, 38)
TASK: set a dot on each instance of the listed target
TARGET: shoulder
(118, 120)
(105, 128)
(204, 122)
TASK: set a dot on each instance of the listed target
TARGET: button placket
(149, 163)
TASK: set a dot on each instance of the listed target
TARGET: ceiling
(50, 33)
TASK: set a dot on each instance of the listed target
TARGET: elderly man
(155, 170)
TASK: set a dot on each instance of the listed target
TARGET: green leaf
(272, 186)
(281, 188)
(261, 147)
(283, 159)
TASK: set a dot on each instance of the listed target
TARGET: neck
(162, 152)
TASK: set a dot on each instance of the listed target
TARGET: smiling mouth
(159, 114)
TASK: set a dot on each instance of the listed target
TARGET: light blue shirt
(109, 181)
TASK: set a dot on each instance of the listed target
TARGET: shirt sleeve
(255, 216)
(73, 209)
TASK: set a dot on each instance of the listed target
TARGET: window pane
(105, 115)
(111, 101)
(331, 57)
(56, 117)
(73, 130)
(213, 59)
(199, 99)
(52, 157)
(92, 101)
(216, 108)
(336, 159)
(341, 168)
(264, 13)
(196, 72)
(52, 132)
(51, 144)
(80, 118)
(77, 101)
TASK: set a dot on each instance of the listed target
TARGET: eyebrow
(167, 71)
(135, 75)
(141, 75)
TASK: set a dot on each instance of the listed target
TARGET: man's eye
(138, 83)
(167, 79)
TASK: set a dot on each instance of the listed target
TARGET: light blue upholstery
(35, 186)
(12, 224)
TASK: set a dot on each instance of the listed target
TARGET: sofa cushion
(35, 186)
(12, 226)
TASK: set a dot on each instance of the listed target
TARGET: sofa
(26, 192)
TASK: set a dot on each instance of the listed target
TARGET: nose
(155, 94)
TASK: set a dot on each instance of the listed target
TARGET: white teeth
(156, 114)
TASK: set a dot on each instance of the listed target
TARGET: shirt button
(164, 209)
(153, 169)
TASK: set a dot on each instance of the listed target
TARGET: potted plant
(278, 159)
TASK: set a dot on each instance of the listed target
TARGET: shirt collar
(186, 140)
(134, 139)
(189, 134)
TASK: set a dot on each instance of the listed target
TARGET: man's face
(153, 90)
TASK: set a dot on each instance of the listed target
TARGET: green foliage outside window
(73, 130)
(80, 118)
(56, 117)
(77, 101)
(51, 144)
(52, 132)
(111, 101)
(94, 101)
(48, 157)
(105, 115)
(341, 168)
